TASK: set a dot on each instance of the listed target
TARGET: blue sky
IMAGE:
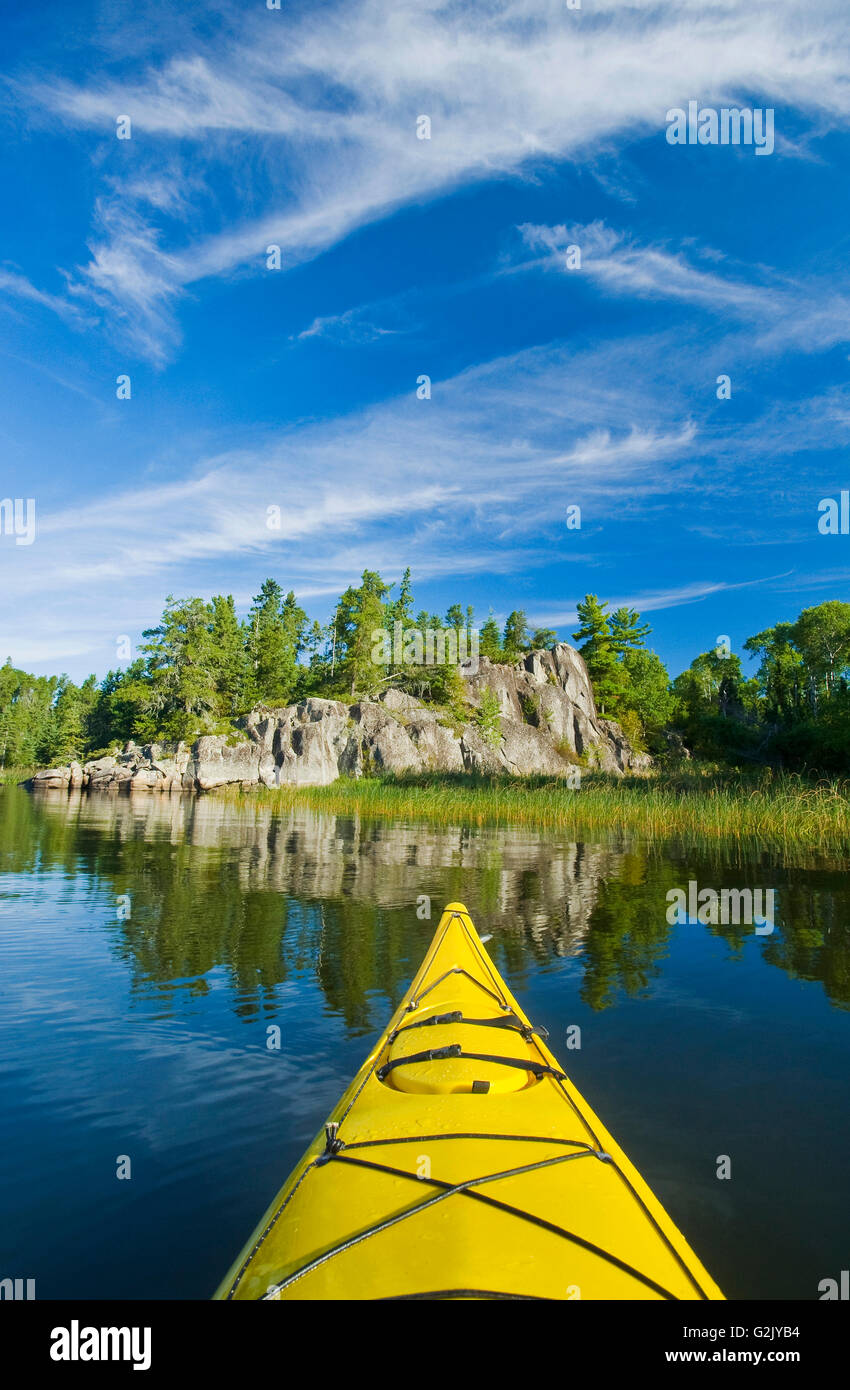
(400, 257)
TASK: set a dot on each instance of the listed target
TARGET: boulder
(50, 779)
(400, 700)
(110, 778)
(216, 763)
(99, 765)
(146, 779)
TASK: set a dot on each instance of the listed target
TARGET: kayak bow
(462, 1163)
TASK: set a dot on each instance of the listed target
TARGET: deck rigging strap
(465, 1189)
(455, 970)
(437, 1294)
(509, 1021)
(384, 1142)
(439, 1054)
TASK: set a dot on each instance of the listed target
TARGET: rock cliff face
(548, 722)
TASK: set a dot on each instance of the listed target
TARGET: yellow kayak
(461, 1163)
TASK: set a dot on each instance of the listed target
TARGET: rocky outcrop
(548, 724)
(550, 691)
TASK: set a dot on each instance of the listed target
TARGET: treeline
(795, 710)
(202, 667)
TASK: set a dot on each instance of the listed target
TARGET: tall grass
(775, 809)
(10, 776)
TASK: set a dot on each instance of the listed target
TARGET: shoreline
(775, 810)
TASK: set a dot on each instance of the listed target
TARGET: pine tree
(490, 639)
(26, 715)
(627, 631)
(403, 607)
(515, 640)
(66, 734)
(362, 617)
(274, 638)
(229, 662)
(179, 667)
(606, 673)
(294, 622)
(123, 708)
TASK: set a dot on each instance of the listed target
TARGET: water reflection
(146, 1034)
(262, 894)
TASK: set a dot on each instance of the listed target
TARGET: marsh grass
(11, 776)
(770, 808)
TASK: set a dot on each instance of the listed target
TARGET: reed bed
(11, 776)
(773, 809)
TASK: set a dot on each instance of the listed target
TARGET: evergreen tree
(403, 607)
(228, 659)
(606, 672)
(66, 736)
(122, 708)
(627, 631)
(488, 717)
(294, 624)
(362, 616)
(490, 639)
(179, 667)
(516, 636)
(26, 716)
(316, 644)
(543, 638)
(274, 638)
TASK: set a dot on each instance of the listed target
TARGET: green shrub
(569, 755)
(632, 726)
(488, 717)
(530, 704)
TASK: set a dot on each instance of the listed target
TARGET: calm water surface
(145, 1034)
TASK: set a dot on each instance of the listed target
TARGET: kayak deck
(462, 1163)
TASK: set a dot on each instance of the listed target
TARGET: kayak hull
(462, 1163)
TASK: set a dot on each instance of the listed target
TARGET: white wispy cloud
(477, 480)
(351, 326)
(17, 287)
(656, 600)
(809, 314)
(449, 486)
(332, 98)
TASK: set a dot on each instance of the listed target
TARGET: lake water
(144, 1035)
